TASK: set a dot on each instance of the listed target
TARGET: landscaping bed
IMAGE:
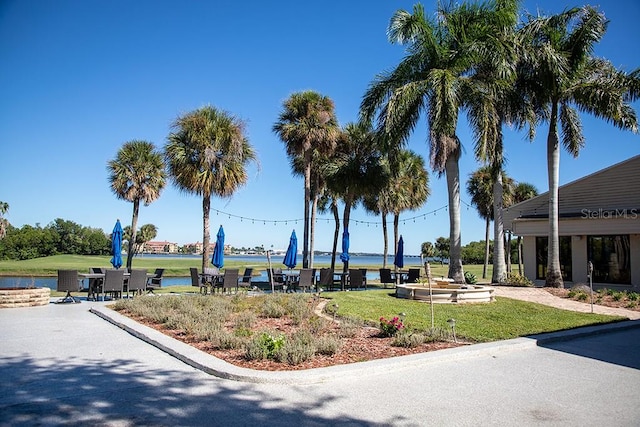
(604, 297)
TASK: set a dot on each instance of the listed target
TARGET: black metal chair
(387, 277)
(326, 279)
(245, 280)
(196, 280)
(155, 282)
(137, 282)
(95, 285)
(276, 277)
(305, 280)
(356, 279)
(413, 276)
(113, 282)
(68, 282)
(230, 279)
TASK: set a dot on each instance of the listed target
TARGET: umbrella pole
(270, 271)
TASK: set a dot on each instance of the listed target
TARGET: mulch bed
(605, 300)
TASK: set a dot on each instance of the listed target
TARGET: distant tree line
(59, 237)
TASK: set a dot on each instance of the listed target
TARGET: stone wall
(24, 297)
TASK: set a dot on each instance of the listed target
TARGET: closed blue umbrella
(291, 257)
(399, 259)
(344, 256)
(218, 252)
(116, 245)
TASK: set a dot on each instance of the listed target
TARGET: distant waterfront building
(158, 247)
(599, 222)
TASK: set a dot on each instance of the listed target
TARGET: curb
(219, 368)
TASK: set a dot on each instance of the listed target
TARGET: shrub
(389, 328)
(437, 334)
(273, 308)
(515, 279)
(298, 349)
(633, 296)
(470, 278)
(582, 296)
(349, 327)
(408, 339)
(264, 346)
(617, 296)
(245, 319)
(328, 345)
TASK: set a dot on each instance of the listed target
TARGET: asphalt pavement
(83, 364)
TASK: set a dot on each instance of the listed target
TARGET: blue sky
(80, 78)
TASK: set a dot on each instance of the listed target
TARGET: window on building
(542, 245)
(611, 258)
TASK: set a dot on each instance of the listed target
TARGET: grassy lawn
(503, 319)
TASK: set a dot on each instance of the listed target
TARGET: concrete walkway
(541, 296)
(66, 365)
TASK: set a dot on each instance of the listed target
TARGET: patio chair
(356, 279)
(137, 282)
(245, 280)
(326, 279)
(68, 282)
(276, 277)
(386, 277)
(196, 280)
(95, 285)
(230, 279)
(413, 276)
(155, 282)
(364, 277)
(113, 282)
(305, 280)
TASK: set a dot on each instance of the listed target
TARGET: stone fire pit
(24, 297)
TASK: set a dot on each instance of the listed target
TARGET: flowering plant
(390, 327)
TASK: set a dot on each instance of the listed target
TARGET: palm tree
(561, 76)
(4, 208)
(521, 192)
(481, 187)
(136, 175)
(408, 187)
(306, 124)
(355, 169)
(430, 81)
(207, 154)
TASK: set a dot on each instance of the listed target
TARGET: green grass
(503, 319)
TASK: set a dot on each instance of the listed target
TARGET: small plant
(389, 328)
(328, 345)
(470, 278)
(408, 339)
(515, 279)
(582, 296)
(617, 296)
(298, 349)
(633, 296)
(264, 346)
(349, 327)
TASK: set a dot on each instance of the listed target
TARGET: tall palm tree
(306, 124)
(521, 192)
(4, 208)
(430, 81)
(136, 175)
(408, 187)
(207, 154)
(355, 170)
(481, 187)
(561, 76)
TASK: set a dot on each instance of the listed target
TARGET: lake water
(375, 262)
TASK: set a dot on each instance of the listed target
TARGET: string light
(330, 220)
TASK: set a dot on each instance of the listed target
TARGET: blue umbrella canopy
(291, 257)
(344, 256)
(399, 259)
(116, 245)
(218, 252)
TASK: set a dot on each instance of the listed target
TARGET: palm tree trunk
(486, 247)
(520, 255)
(307, 202)
(499, 266)
(132, 239)
(508, 251)
(345, 226)
(554, 275)
(206, 209)
(455, 240)
(314, 209)
(336, 234)
(385, 236)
